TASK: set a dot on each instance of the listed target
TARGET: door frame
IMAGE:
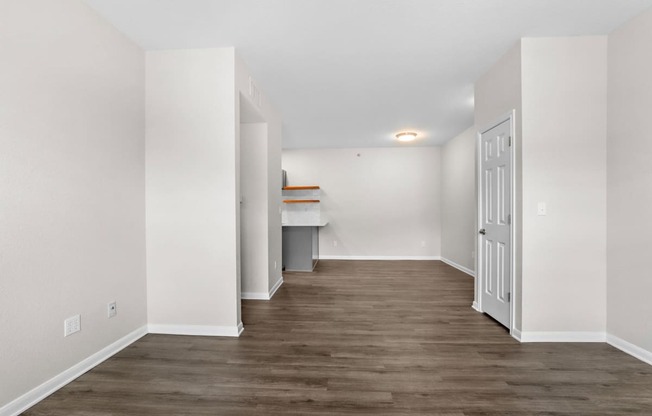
(477, 303)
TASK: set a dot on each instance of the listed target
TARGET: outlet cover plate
(112, 309)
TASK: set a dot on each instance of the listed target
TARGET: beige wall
(629, 182)
(383, 203)
(564, 165)
(458, 200)
(497, 93)
(72, 179)
(192, 271)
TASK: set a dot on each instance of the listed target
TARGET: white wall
(564, 165)
(558, 88)
(253, 209)
(192, 241)
(193, 189)
(497, 93)
(458, 200)
(381, 202)
(274, 197)
(72, 181)
(629, 182)
(260, 107)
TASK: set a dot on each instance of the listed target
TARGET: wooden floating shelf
(301, 201)
(300, 188)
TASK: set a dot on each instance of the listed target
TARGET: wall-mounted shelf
(300, 188)
(301, 201)
(301, 219)
(301, 205)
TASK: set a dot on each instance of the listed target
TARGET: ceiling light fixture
(406, 136)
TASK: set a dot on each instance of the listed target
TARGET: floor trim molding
(564, 336)
(200, 330)
(516, 334)
(629, 348)
(274, 288)
(337, 257)
(39, 393)
(254, 296)
(476, 307)
(458, 267)
(262, 295)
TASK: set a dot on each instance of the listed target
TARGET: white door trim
(477, 303)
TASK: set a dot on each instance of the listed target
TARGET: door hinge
(509, 141)
(509, 296)
(509, 219)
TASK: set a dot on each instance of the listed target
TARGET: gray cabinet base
(300, 248)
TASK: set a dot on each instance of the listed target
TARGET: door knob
(483, 231)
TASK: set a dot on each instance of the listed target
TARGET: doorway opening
(253, 203)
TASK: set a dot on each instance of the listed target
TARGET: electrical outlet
(71, 325)
(275, 266)
(112, 309)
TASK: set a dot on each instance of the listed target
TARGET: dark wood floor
(364, 338)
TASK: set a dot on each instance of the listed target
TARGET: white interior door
(495, 222)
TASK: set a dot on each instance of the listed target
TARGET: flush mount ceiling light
(406, 136)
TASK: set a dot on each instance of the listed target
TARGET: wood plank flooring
(361, 338)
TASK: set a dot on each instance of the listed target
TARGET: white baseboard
(254, 296)
(475, 306)
(200, 330)
(458, 267)
(39, 393)
(329, 257)
(629, 348)
(516, 334)
(276, 286)
(565, 336)
(262, 295)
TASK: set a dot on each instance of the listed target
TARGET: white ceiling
(352, 73)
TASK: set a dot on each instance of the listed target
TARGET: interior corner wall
(247, 89)
(192, 205)
(274, 198)
(458, 199)
(497, 93)
(629, 182)
(253, 210)
(380, 202)
(564, 95)
(72, 178)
